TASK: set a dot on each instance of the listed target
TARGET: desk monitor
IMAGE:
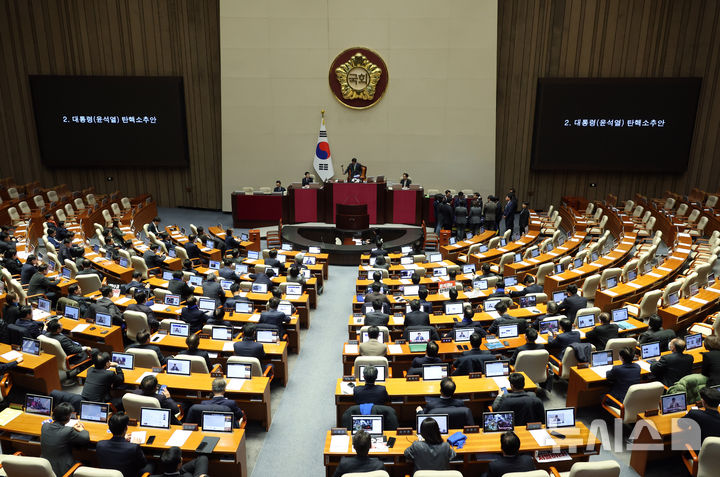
(214, 265)
(226, 284)
(498, 421)
(586, 321)
(285, 308)
(411, 290)
(405, 274)
(480, 284)
(558, 268)
(31, 346)
(206, 305)
(172, 300)
(209, 244)
(124, 360)
(96, 249)
(468, 269)
(517, 258)
(367, 308)
(439, 271)
(534, 253)
(648, 267)
(171, 253)
(309, 260)
(259, 288)
(711, 279)
(67, 273)
(382, 372)
(508, 331)
(483, 248)
(215, 421)
(632, 274)
(266, 336)
(577, 263)
(528, 301)
(671, 403)
(241, 269)
(441, 419)
(51, 264)
(434, 258)
(195, 281)
(244, 237)
(503, 242)
(510, 281)
(178, 366)
(253, 254)
(422, 336)
(38, 404)
(155, 417)
(179, 329)
(563, 417)
(693, 341)
(94, 411)
(364, 337)
(406, 249)
(72, 312)
(611, 282)
(497, 368)
(620, 314)
(672, 299)
(693, 289)
(222, 333)
(371, 262)
(167, 276)
(559, 296)
(489, 305)
(44, 304)
(469, 235)
(406, 261)
(243, 307)
(239, 370)
(372, 424)
(650, 350)
(314, 250)
(287, 247)
(549, 326)
(103, 319)
(594, 256)
(455, 308)
(452, 241)
(294, 289)
(435, 372)
(601, 358)
(462, 335)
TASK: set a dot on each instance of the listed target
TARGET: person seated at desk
(11, 263)
(105, 305)
(670, 368)
(370, 393)
(467, 322)
(711, 360)
(474, 359)
(57, 440)
(416, 316)
(65, 251)
(381, 263)
(12, 308)
(624, 375)
(375, 294)
(558, 342)
(227, 271)
(530, 287)
(191, 248)
(294, 275)
(376, 317)
(179, 285)
(172, 466)
(217, 318)
(75, 294)
(272, 316)
(135, 283)
(248, 346)
(154, 226)
(24, 320)
(499, 291)
(656, 332)
(708, 419)
(510, 461)
(446, 399)
(430, 453)
(193, 343)
(278, 187)
(431, 357)
(572, 303)
(142, 305)
(235, 298)
(51, 238)
(40, 284)
(7, 244)
(143, 342)
(531, 336)
(506, 319)
(272, 260)
(361, 462)
(526, 405)
(101, 379)
(219, 399)
(422, 296)
(117, 453)
(86, 268)
(354, 169)
(414, 278)
(373, 347)
(152, 258)
(28, 269)
(264, 278)
(486, 272)
(307, 180)
(116, 232)
(192, 315)
(74, 350)
(211, 288)
(230, 242)
(602, 333)
(405, 181)
(149, 387)
(551, 311)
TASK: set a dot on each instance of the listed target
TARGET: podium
(352, 217)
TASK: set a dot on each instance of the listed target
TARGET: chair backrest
(646, 216)
(256, 367)
(681, 210)
(140, 266)
(530, 473)
(89, 282)
(609, 273)
(73, 268)
(126, 203)
(590, 286)
(709, 457)
(602, 468)
(543, 270)
(694, 214)
(165, 324)
(39, 201)
(702, 272)
(702, 223)
(145, 358)
(90, 198)
(550, 210)
(106, 215)
(589, 208)
(649, 304)
(493, 242)
(687, 283)
(674, 287)
(86, 471)
(529, 251)
(630, 265)
(641, 397)
(197, 363)
(383, 330)
(54, 258)
(61, 215)
(13, 193)
(79, 204)
(628, 206)
(116, 209)
(25, 466)
(569, 360)
(534, 364)
(24, 208)
(368, 361)
(374, 473)
(19, 291)
(135, 321)
(48, 246)
(504, 260)
(650, 224)
(13, 214)
(436, 473)
(616, 344)
(590, 310)
(638, 211)
(181, 253)
(669, 203)
(133, 402)
(52, 346)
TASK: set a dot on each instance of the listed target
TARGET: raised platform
(323, 235)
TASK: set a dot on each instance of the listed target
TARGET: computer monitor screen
(103, 319)
(559, 296)
(172, 300)
(483, 248)
(693, 289)
(439, 271)
(549, 326)
(241, 269)
(585, 321)
(611, 282)
(498, 421)
(178, 366)
(253, 254)
(558, 268)
(441, 419)
(453, 308)
(195, 281)
(497, 368)
(364, 337)
(38, 404)
(577, 263)
(433, 372)
(411, 290)
(51, 264)
(672, 299)
(510, 281)
(620, 314)
(673, 403)
(244, 237)
(31, 346)
(167, 275)
(293, 289)
(469, 269)
(259, 288)
(406, 249)
(693, 341)
(94, 411)
(601, 358)
(452, 241)
(287, 247)
(434, 257)
(243, 307)
(226, 284)
(309, 260)
(44, 304)
(72, 312)
(239, 370)
(527, 301)
(209, 244)
(507, 331)
(517, 258)
(480, 284)
(285, 308)
(382, 372)
(632, 274)
(67, 273)
(503, 242)
(179, 329)
(214, 265)
(124, 360)
(594, 256)
(373, 425)
(564, 417)
(650, 350)
(313, 249)
(406, 261)
(221, 333)
(154, 417)
(534, 252)
(422, 336)
(489, 305)
(266, 336)
(206, 305)
(213, 421)
(462, 335)
(648, 267)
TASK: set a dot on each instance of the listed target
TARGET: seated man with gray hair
(219, 399)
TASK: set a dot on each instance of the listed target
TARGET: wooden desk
(179, 238)
(104, 338)
(494, 255)
(227, 458)
(452, 252)
(39, 373)
(109, 267)
(219, 232)
(530, 265)
(689, 310)
(478, 451)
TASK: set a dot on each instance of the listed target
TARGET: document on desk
(501, 250)
(699, 300)
(494, 314)
(146, 373)
(178, 438)
(682, 308)
(714, 290)
(633, 285)
(610, 292)
(8, 415)
(541, 340)
(352, 349)
(542, 437)
(502, 382)
(394, 349)
(255, 317)
(38, 315)
(664, 269)
(655, 275)
(11, 355)
(228, 346)
(158, 307)
(398, 320)
(122, 301)
(97, 259)
(405, 281)
(602, 370)
(80, 328)
(235, 384)
(339, 444)
(347, 388)
(644, 365)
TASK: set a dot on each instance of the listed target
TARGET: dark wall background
(114, 37)
(603, 38)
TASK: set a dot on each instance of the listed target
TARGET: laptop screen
(94, 411)
(406, 249)
(226, 284)
(214, 265)
(507, 331)
(67, 273)
(632, 274)
(213, 421)
(72, 312)
(489, 305)
(534, 252)
(253, 254)
(483, 248)
(420, 336)
(259, 288)
(373, 425)
(558, 268)
(285, 308)
(178, 366)
(38, 404)
(518, 258)
(452, 241)
(404, 274)
(266, 336)
(548, 326)
(179, 329)
(672, 299)
(196, 281)
(433, 372)
(209, 244)
(206, 304)
(510, 281)
(44, 304)
(223, 333)
(31, 346)
(167, 275)
(244, 237)
(124, 360)
(293, 289)
(621, 314)
(559, 296)
(480, 284)
(453, 308)
(172, 300)
(468, 269)
(239, 370)
(497, 368)
(364, 337)
(382, 372)
(243, 307)
(434, 257)
(103, 319)
(411, 290)
(527, 301)
(693, 289)
(463, 334)
(693, 341)
(650, 350)
(601, 358)
(673, 403)
(585, 321)
(498, 421)
(287, 247)
(241, 269)
(154, 417)
(309, 260)
(611, 282)
(577, 263)
(441, 419)
(439, 271)
(564, 417)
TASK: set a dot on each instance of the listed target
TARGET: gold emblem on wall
(358, 78)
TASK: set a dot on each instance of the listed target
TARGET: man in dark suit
(474, 359)
(264, 278)
(42, 285)
(376, 317)
(154, 226)
(558, 342)
(152, 258)
(11, 262)
(248, 346)
(510, 461)
(405, 181)
(143, 342)
(656, 332)
(191, 248)
(360, 462)
(708, 418)
(149, 387)
(171, 465)
(572, 303)
(354, 169)
(12, 308)
(670, 368)
(212, 289)
(193, 343)
(711, 360)
(431, 357)
(57, 440)
(602, 333)
(135, 283)
(422, 296)
(376, 294)
(230, 242)
(370, 393)
(624, 375)
(143, 306)
(526, 405)
(219, 399)
(272, 260)
(24, 320)
(75, 294)
(307, 180)
(28, 269)
(278, 187)
(105, 305)
(530, 287)
(509, 212)
(446, 399)
(85, 268)
(531, 335)
(178, 285)
(100, 380)
(192, 315)
(54, 331)
(461, 217)
(416, 317)
(117, 453)
(506, 319)
(445, 214)
(272, 316)
(467, 322)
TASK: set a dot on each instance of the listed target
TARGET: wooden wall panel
(114, 38)
(603, 38)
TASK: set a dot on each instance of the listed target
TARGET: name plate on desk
(446, 340)
(400, 341)
(412, 377)
(437, 312)
(204, 336)
(404, 431)
(162, 332)
(475, 375)
(157, 370)
(582, 365)
(471, 430)
(338, 431)
(348, 379)
(190, 427)
(216, 374)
